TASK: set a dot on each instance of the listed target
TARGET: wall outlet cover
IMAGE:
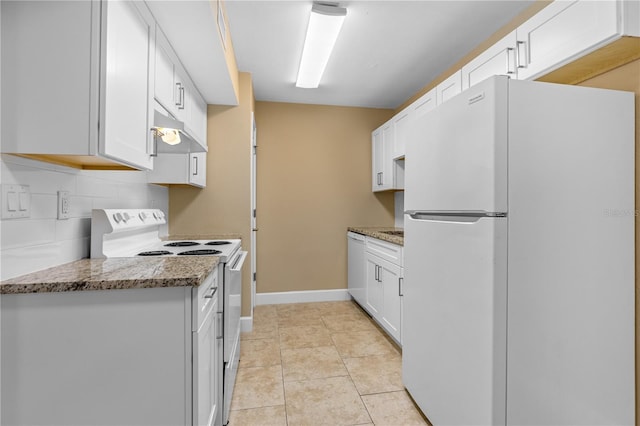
(64, 205)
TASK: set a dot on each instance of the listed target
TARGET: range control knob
(117, 217)
(155, 215)
(142, 216)
(126, 216)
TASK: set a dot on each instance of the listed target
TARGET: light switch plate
(16, 201)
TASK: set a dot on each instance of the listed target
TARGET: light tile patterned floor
(321, 363)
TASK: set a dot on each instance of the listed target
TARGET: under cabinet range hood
(170, 135)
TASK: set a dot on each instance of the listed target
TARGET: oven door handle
(238, 262)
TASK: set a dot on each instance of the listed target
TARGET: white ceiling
(386, 52)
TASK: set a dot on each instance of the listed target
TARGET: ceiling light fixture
(325, 24)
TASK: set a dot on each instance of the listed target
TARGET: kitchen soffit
(386, 52)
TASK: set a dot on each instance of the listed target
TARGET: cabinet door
(388, 140)
(424, 104)
(205, 370)
(374, 293)
(181, 103)
(391, 277)
(499, 59)
(377, 155)
(164, 91)
(198, 169)
(401, 122)
(449, 88)
(128, 53)
(564, 31)
(198, 118)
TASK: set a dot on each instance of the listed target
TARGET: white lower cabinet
(375, 281)
(147, 356)
(180, 169)
(391, 277)
(375, 292)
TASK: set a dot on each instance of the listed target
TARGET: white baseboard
(302, 296)
(246, 324)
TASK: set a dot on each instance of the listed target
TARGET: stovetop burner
(182, 244)
(201, 252)
(154, 253)
(217, 243)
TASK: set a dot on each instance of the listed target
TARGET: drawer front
(204, 297)
(387, 251)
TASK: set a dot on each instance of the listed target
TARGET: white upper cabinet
(180, 169)
(126, 85)
(564, 31)
(175, 92)
(388, 172)
(165, 89)
(377, 155)
(424, 104)
(401, 122)
(449, 88)
(90, 107)
(499, 59)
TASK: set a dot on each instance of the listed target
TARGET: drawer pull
(213, 292)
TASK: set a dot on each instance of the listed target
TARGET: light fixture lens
(170, 136)
(325, 24)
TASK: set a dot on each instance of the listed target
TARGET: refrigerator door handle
(457, 216)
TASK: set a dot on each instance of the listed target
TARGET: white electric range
(136, 233)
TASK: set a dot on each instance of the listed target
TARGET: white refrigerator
(519, 257)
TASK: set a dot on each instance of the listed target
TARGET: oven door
(232, 307)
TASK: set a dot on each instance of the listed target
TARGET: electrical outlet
(64, 205)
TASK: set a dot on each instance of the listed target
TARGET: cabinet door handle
(521, 54)
(154, 144)
(375, 274)
(178, 99)
(219, 326)
(400, 282)
(195, 166)
(511, 60)
(181, 98)
(381, 178)
(213, 291)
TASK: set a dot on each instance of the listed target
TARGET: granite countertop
(115, 273)
(379, 233)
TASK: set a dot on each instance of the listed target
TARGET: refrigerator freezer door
(571, 256)
(456, 155)
(454, 320)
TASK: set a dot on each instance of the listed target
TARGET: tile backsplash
(42, 241)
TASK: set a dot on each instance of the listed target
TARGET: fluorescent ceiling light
(324, 26)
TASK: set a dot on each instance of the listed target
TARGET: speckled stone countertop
(115, 273)
(379, 233)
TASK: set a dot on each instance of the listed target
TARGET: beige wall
(627, 78)
(224, 206)
(314, 180)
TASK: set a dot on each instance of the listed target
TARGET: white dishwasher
(356, 275)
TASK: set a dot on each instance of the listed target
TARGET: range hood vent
(162, 119)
